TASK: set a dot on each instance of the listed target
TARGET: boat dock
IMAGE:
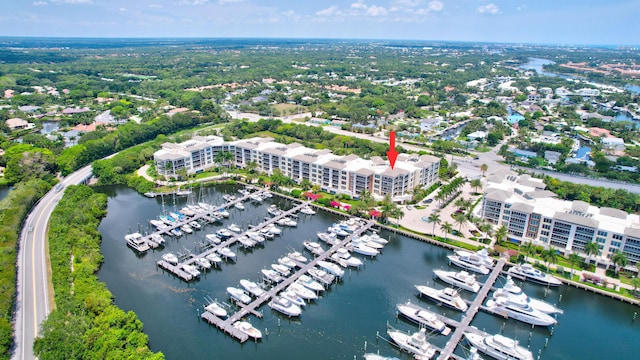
(226, 325)
(464, 324)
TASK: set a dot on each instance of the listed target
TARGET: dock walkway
(464, 325)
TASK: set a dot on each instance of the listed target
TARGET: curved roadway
(32, 300)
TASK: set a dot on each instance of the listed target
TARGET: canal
(345, 318)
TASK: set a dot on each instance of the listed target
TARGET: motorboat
(206, 207)
(176, 232)
(239, 205)
(307, 210)
(286, 261)
(338, 231)
(216, 309)
(527, 314)
(469, 262)
(214, 259)
(281, 269)
(285, 306)
(267, 195)
(234, 228)
(227, 253)
(473, 354)
(248, 329)
(273, 210)
(191, 270)
(309, 283)
(375, 237)
(213, 238)
(272, 275)
(527, 272)
(187, 211)
(243, 191)
(246, 242)
(515, 294)
(223, 212)
(331, 268)
(415, 343)
(264, 232)
(158, 224)
(183, 192)
(302, 291)
(255, 236)
(482, 255)
(321, 275)
(313, 247)
(137, 242)
(158, 239)
(203, 263)
(186, 228)
(329, 238)
(296, 256)
(362, 249)
(459, 279)
(423, 317)
(273, 229)
(256, 197)
(177, 216)
(228, 197)
(343, 257)
(372, 356)
(238, 294)
(253, 288)
(366, 240)
(170, 258)
(447, 296)
(285, 221)
(498, 346)
(223, 233)
(167, 219)
(293, 297)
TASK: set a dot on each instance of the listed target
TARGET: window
(602, 233)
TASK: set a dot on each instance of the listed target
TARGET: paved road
(32, 302)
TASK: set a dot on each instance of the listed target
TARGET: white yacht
(423, 317)
(469, 262)
(338, 231)
(267, 195)
(255, 236)
(186, 228)
(460, 279)
(273, 210)
(343, 257)
(287, 261)
(285, 306)
(483, 257)
(203, 263)
(293, 297)
(375, 237)
(309, 283)
(266, 233)
(214, 258)
(216, 309)
(246, 242)
(196, 225)
(273, 229)
(170, 258)
(285, 221)
(239, 295)
(499, 347)
(321, 276)
(294, 255)
(281, 269)
(234, 228)
(253, 288)
(136, 242)
(223, 212)
(223, 233)
(272, 275)
(191, 270)
(228, 197)
(313, 247)
(227, 253)
(302, 291)
(329, 238)
(446, 296)
(248, 329)
(527, 272)
(213, 238)
(363, 249)
(415, 344)
(176, 232)
(158, 239)
(515, 294)
(366, 240)
(331, 268)
(158, 224)
(526, 314)
(307, 211)
(239, 205)
(256, 197)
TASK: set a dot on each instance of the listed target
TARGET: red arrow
(392, 154)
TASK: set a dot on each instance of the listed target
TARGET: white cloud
(290, 14)
(193, 2)
(39, 3)
(77, 1)
(223, 2)
(521, 7)
(435, 5)
(376, 11)
(330, 11)
(408, 3)
(155, 6)
(488, 9)
(360, 5)
(123, 9)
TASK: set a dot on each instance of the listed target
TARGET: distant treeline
(595, 195)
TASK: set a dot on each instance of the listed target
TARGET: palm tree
(447, 228)
(501, 234)
(484, 168)
(636, 284)
(396, 213)
(435, 219)
(460, 203)
(475, 184)
(529, 248)
(460, 220)
(549, 256)
(591, 248)
(574, 259)
(619, 259)
(486, 228)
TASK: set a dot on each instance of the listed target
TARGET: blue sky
(538, 21)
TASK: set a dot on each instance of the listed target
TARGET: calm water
(337, 325)
(4, 191)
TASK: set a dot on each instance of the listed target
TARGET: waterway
(350, 314)
(4, 191)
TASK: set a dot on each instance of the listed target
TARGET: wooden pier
(464, 325)
(226, 325)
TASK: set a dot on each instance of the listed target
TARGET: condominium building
(531, 213)
(348, 174)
